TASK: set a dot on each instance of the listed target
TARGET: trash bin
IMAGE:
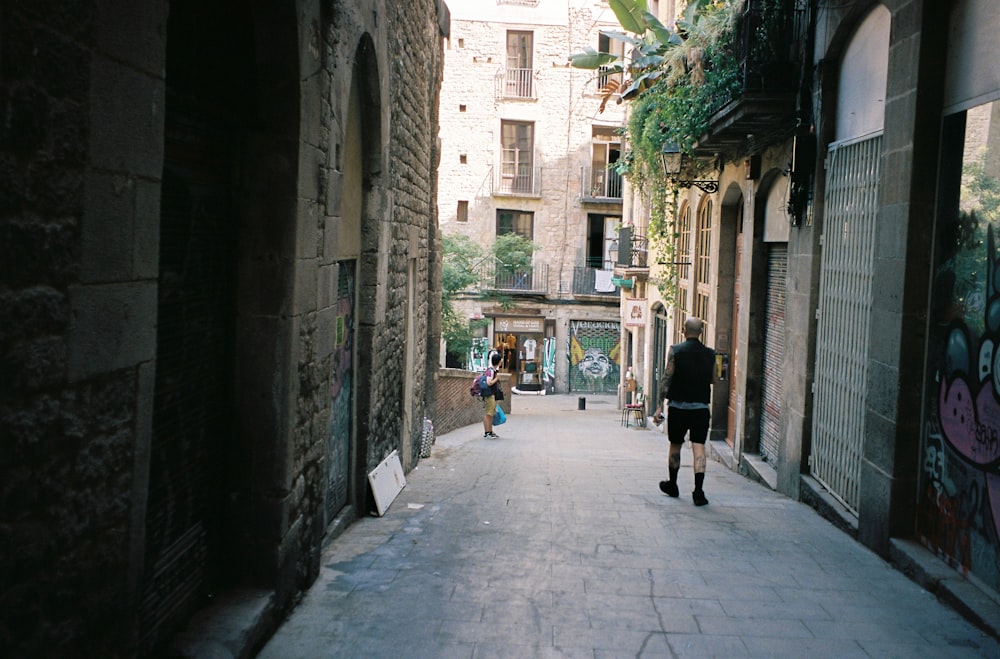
(581, 403)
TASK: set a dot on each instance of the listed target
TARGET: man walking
(687, 384)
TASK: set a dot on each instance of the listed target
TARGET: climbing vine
(675, 81)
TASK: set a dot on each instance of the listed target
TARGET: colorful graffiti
(959, 507)
(594, 358)
(958, 514)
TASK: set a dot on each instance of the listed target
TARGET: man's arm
(668, 374)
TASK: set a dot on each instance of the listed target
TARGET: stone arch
(756, 318)
(731, 203)
(373, 257)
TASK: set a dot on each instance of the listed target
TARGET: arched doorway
(844, 305)
(362, 254)
(221, 235)
(725, 407)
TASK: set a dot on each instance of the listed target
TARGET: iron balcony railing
(517, 180)
(757, 106)
(502, 278)
(633, 249)
(605, 77)
(600, 183)
(769, 44)
(593, 281)
(515, 83)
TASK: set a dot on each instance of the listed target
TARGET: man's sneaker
(491, 435)
(670, 489)
(699, 498)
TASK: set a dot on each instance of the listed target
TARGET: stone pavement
(555, 541)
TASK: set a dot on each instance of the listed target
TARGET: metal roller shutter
(774, 350)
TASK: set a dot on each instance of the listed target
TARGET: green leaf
(629, 14)
(647, 62)
(591, 59)
(663, 34)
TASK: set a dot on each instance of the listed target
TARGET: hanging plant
(675, 80)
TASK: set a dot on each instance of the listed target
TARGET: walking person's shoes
(670, 489)
(491, 435)
(698, 496)
(657, 419)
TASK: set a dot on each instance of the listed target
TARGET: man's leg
(676, 429)
(699, 433)
(489, 409)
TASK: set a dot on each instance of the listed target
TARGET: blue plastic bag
(499, 418)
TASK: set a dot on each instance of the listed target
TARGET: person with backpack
(492, 378)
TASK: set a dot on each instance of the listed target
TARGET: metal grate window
(844, 317)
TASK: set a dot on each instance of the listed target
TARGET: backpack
(479, 386)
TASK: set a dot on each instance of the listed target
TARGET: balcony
(769, 37)
(497, 277)
(593, 281)
(516, 180)
(633, 255)
(515, 84)
(602, 186)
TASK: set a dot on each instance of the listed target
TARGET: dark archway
(230, 123)
(374, 239)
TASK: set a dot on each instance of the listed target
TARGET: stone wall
(80, 153)
(83, 100)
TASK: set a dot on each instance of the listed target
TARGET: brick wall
(455, 407)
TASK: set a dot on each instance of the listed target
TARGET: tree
(461, 257)
(464, 266)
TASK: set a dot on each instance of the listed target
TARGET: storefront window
(959, 496)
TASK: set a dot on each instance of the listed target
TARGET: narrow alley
(554, 540)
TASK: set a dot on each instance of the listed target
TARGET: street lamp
(670, 158)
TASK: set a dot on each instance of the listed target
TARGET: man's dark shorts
(680, 421)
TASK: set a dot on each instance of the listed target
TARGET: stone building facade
(219, 278)
(525, 151)
(851, 286)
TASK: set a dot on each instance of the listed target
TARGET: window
(517, 144)
(606, 44)
(684, 244)
(703, 267)
(602, 241)
(704, 263)
(519, 73)
(463, 211)
(463, 159)
(680, 315)
(606, 150)
(519, 222)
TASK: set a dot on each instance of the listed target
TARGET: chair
(636, 410)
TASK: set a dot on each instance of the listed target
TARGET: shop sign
(635, 312)
(519, 325)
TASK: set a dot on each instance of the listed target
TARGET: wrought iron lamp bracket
(705, 186)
